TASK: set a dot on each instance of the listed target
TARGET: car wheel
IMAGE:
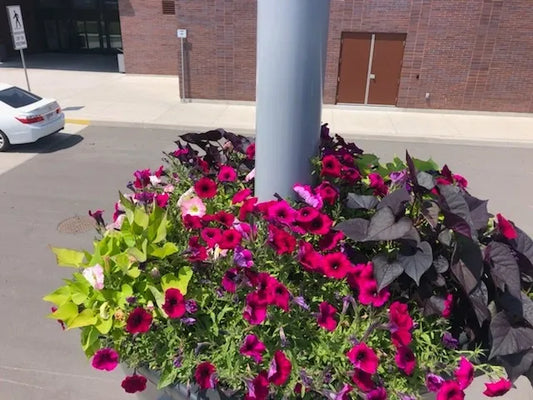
(4, 142)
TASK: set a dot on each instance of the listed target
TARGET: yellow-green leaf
(69, 257)
(179, 282)
(165, 251)
(65, 312)
(58, 296)
(85, 318)
(104, 325)
(140, 218)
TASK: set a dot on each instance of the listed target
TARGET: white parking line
(13, 158)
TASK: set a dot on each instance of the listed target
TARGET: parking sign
(17, 27)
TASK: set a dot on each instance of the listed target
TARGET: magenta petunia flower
(255, 309)
(377, 183)
(105, 359)
(434, 382)
(134, 383)
(258, 387)
(162, 200)
(282, 241)
(460, 180)
(281, 296)
(230, 280)
(142, 178)
(250, 151)
(306, 214)
(248, 206)
(359, 275)
(329, 241)
(212, 236)
(327, 192)
(331, 166)
(280, 369)
(282, 212)
(266, 285)
(326, 316)
(240, 196)
(310, 259)
(205, 375)
(205, 188)
(226, 174)
(225, 218)
(363, 380)
(499, 388)
(350, 175)
(448, 303)
(377, 394)
(139, 321)
(450, 390)
(192, 221)
(320, 225)
(253, 347)
(405, 360)
(363, 357)
(343, 393)
(464, 373)
(230, 239)
(400, 324)
(506, 228)
(336, 265)
(174, 304)
(98, 217)
(368, 294)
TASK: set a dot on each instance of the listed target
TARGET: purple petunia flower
(449, 341)
(301, 302)
(243, 258)
(188, 321)
(190, 306)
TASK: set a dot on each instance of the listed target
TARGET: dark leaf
(478, 211)
(415, 265)
(480, 299)
(453, 203)
(469, 251)
(441, 264)
(508, 339)
(523, 245)
(439, 280)
(430, 211)
(504, 271)
(447, 173)
(411, 168)
(463, 274)
(433, 306)
(513, 307)
(412, 237)
(456, 223)
(240, 143)
(213, 135)
(395, 200)
(356, 229)
(527, 308)
(194, 138)
(426, 180)
(517, 364)
(383, 226)
(385, 272)
(359, 201)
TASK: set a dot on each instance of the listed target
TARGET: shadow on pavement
(67, 62)
(49, 144)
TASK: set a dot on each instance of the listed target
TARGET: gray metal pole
(182, 71)
(25, 71)
(291, 58)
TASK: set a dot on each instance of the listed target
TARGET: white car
(26, 117)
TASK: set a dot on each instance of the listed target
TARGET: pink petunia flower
(255, 310)
(95, 276)
(240, 196)
(253, 347)
(162, 200)
(326, 316)
(205, 375)
(464, 373)
(105, 359)
(307, 195)
(193, 206)
(280, 369)
(363, 358)
(499, 388)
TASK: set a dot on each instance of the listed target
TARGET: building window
(169, 7)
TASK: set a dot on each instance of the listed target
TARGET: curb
(362, 135)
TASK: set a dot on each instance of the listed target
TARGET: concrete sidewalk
(113, 99)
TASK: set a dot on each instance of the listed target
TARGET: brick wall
(468, 54)
(221, 48)
(148, 38)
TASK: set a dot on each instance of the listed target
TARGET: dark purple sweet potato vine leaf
(504, 269)
(480, 300)
(417, 264)
(395, 200)
(383, 226)
(508, 339)
(465, 277)
(355, 228)
(361, 202)
(433, 306)
(385, 271)
(517, 364)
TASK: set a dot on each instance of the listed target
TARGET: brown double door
(369, 68)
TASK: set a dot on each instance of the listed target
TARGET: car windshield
(17, 97)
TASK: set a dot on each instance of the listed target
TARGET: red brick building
(443, 54)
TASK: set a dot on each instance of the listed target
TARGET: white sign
(17, 27)
(182, 33)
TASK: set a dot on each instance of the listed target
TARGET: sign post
(182, 34)
(19, 36)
